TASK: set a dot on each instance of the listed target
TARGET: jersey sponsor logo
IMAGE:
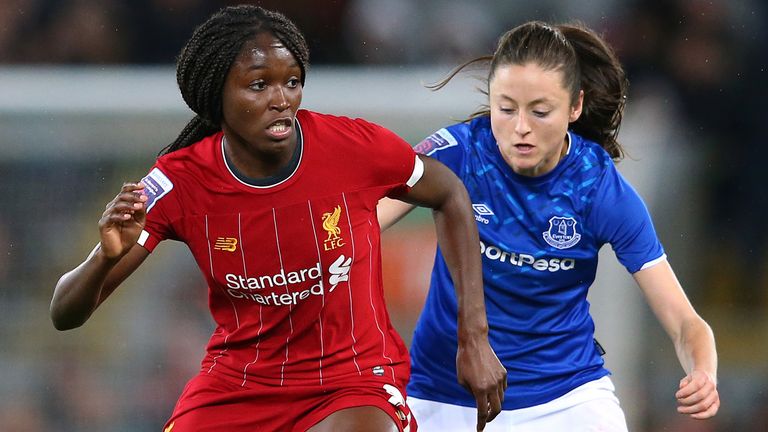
(521, 259)
(439, 140)
(310, 278)
(482, 210)
(330, 225)
(339, 271)
(248, 287)
(228, 244)
(562, 232)
(156, 185)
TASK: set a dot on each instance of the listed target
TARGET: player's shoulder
(458, 136)
(589, 155)
(311, 121)
(592, 169)
(196, 161)
(200, 152)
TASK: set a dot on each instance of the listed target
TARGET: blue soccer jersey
(539, 240)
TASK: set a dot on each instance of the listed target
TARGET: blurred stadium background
(88, 96)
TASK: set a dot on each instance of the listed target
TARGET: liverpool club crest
(330, 225)
(562, 232)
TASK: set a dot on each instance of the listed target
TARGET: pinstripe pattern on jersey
(261, 308)
(349, 286)
(290, 307)
(373, 307)
(234, 308)
(322, 299)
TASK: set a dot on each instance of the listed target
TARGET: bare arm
(80, 291)
(477, 365)
(390, 211)
(693, 339)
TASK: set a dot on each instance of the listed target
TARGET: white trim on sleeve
(142, 238)
(653, 262)
(418, 171)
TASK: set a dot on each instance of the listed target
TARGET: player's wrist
(104, 257)
(473, 333)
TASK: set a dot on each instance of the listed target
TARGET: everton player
(539, 167)
(278, 207)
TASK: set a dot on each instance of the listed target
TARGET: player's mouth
(524, 148)
(280, 128)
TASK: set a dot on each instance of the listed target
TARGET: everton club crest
(562, 232)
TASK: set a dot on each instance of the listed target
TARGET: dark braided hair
(204, 62)
(587, 63)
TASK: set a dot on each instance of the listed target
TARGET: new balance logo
(482, 210)
(228, 244)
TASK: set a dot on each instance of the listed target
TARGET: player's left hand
(481, 372)
(698, 396)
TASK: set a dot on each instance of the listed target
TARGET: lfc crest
(330, 225)
(562, 232)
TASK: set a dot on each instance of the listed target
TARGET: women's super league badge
(439, 140)
(156, 184)
(562, 232)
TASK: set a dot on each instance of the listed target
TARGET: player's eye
(293, 82)
(257, 85)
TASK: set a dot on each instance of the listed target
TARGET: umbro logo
(482, 210)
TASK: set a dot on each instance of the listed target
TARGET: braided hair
(204, 62)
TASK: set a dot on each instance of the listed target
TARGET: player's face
(261, 95)
(530, 112)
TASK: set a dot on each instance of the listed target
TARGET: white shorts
(591, 407)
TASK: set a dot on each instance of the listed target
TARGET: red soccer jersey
(293, 268)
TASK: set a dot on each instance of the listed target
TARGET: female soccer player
(278, 207)
(539, 167)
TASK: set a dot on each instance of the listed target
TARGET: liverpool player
(278, 207)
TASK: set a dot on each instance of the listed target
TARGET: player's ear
(577, 107)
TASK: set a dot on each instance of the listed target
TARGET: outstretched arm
(80, 291)
(693, 339)
(478, 367)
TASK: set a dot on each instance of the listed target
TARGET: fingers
(709, 412)
(698, 396)
(482, 410)
(494, 405)
(691, 385)
(489, 403)
(128, 202)
(700, 405)
(503, 387)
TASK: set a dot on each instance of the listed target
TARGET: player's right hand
(123, 220)
(480, 371)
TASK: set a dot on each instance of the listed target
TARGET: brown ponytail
(605, 88)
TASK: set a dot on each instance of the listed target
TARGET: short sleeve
(445, 146)
(623, 221)
(395, 165)
(161, 202)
